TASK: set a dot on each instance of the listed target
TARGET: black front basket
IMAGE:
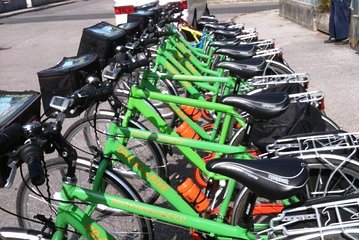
(66, 77)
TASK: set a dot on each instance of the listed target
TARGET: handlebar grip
(90, 94)
(102, 93)
(10, 136)
(138, 64)
(32, 154)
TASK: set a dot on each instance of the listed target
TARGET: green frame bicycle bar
(72, 215)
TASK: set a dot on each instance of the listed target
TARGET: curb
(33, 9)
(228, 2)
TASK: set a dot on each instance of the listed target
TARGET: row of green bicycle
(111, 168)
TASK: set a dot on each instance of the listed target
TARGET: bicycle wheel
(329, 218)
(81, 135)
(120, 224)
(10, 233)
(330, 175)
(330, 125)
(274, 68)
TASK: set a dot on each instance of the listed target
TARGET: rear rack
(332, 216)
(238, 25)
(247, 37)
(270, 80)
(315, 144)
(313, 97)
(268, 52)
(249, 30)
(262, 44)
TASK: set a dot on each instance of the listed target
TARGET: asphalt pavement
(26, 48)
(333, 68)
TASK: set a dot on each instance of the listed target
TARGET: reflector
(124, 9)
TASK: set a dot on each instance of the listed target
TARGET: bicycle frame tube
(135, 102)
(170, 63)
(72, 215)
(168, 136)
(189, 60)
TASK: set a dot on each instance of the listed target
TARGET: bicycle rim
(120, 224)
(81, 135)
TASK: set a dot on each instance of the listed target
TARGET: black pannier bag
(16, 107)
(66, 77)
(297, 118)
(102, 39)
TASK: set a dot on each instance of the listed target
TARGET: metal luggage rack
(248, 36)
(273, 80)
(249, 30)
(265, 44)
(236, 25)
(333, 216)
(315, 144)
(307, 96)
(268, 52)
(313, 97)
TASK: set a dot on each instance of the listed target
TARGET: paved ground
(333, 68)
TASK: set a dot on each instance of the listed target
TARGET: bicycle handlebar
(30, 153)
(89, 94)
(33, 155)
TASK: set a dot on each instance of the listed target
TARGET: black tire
(330, 125)
(29, 204)
(81, 135)
(275, 68)
(166, 87)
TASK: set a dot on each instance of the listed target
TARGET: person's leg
(341, 19)
(331, 24)
(331, 20)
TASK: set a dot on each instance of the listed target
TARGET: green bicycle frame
(69, 214)
(149, 83)
(184, 215)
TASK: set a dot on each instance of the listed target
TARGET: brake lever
(112, 75)
(11, 178)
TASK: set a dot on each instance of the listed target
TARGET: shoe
(342, 41)
(330, 40)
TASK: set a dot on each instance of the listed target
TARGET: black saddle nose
(273, 179)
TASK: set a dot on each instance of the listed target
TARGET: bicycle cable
(45, 198)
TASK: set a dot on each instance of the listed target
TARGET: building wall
(11, 5)
(304, 13)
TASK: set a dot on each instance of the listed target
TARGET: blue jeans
(339, 19)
